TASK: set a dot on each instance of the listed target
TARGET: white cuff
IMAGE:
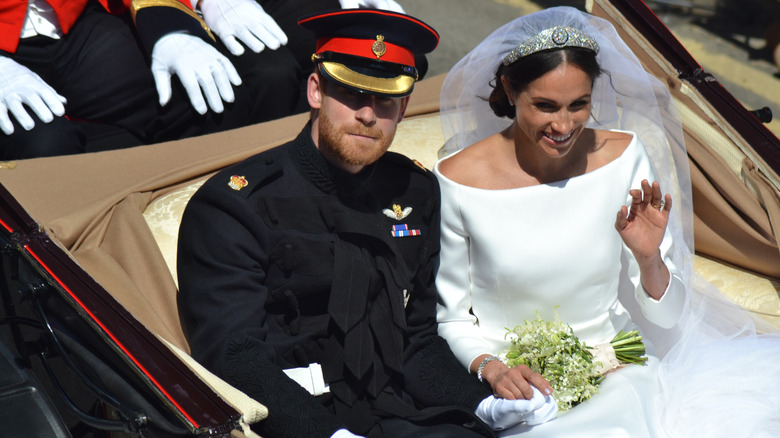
(310, 378)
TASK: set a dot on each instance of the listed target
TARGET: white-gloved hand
(199, 66)
(19, 85)
(344, 433)
(388, 5)
(245, 20)
(500, 413)
(547, 412)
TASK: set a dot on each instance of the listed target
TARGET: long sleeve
(153, 19)
(513, 255)
(434, 376)
(12, 15)
(156, 18)
(456, 322)
(666, 311)
(222, 299)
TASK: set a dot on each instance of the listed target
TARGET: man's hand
(19, 85)
(245, 20)
(199, 66)
(388, 5)
(500, 413)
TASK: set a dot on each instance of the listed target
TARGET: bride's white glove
(199, 66)
(245, 20)
(18, 85)
(344, 433)
(388, 5)
(500, 413)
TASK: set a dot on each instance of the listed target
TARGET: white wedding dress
(508, 254)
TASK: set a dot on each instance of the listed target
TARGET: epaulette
(402, 160)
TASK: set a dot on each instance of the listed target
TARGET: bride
(559, 147)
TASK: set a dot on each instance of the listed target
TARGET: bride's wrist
(488, 367)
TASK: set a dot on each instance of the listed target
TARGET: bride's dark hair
(529, 68)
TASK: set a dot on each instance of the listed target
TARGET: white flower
(551, 349)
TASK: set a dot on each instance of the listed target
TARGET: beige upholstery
(752, 291)
(163, 216)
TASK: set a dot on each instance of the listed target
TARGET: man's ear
(314, 91)
(404, 104)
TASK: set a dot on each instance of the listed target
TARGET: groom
(307, 271)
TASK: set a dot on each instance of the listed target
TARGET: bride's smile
(552, 111)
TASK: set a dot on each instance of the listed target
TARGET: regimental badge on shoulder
(398, 213)
(237, 182)
(420, 165)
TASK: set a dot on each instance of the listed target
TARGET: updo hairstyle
(529, 68)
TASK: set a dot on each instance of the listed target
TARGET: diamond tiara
(552, 38)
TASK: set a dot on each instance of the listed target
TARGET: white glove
(199, 66)
(388, 5)
(244, 19)
(18, 84)
(344, 433)
(500, 413)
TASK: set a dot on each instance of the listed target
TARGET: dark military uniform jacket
(285, 260)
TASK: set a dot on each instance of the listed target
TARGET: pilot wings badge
(398, 213)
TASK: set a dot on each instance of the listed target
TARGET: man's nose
(366, 113)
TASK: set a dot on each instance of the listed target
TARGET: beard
(350, 150)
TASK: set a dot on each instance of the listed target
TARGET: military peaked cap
(370, 50)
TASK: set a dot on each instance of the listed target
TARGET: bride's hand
(514, 383)
(642, 226)
(642, 229)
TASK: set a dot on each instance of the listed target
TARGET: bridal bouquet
(573, 369)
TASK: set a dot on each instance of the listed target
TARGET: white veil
(715, 341)
(625, 97)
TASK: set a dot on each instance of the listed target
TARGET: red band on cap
(365, 49)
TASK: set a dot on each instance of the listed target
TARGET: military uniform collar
(323, 174)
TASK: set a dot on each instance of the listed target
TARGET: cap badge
(237, 182)
(397, 212)
(379, 47)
